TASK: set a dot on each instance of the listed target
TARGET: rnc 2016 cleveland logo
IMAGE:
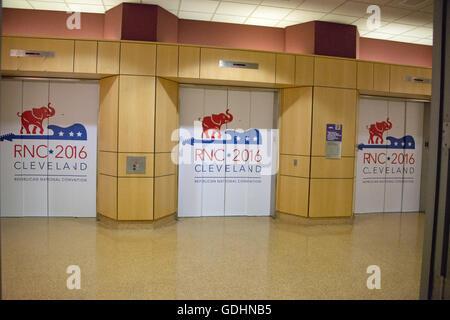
(213, 150)
(33, 150)
(390, 156)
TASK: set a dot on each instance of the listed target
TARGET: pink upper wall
(300, 38)
(295, 39)
(167, 26)
(112, 29)
(50, 23)
(395, 52)
(230, 35)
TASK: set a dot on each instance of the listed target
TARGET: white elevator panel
(389, 157)
(224, 175)
(394, 169)
(370, 173)
(413, 157)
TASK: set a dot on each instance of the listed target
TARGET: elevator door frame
(374, 97)
(275, 125)
(49, 81)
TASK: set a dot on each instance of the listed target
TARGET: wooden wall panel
(189, 62)
(166, 196)
(135, 199)
(85, 60)
(332, 168)
(295, 121)
(107, 196)
(167, 61)
(364, 75)
(331, 198)
(108, 114)
(333, 105)
(164, 165)
(210, 69)
(381, 74)
(108, 55)
(107, 163)
(297, 166)
(122, 164)
(166, 114)
(398, 84)
(292, 195)
(61, 62)
(136, 114)
(285, 69)
(138, 59)
(304, 70)
(333, 72)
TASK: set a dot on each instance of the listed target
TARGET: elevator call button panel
(136, 165)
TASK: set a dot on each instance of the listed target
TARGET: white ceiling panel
(411, 4)
(44, 0)
(203, 16)
(361, 23)
(378, 35)
(208, 6)
(303, 16)
(352, 8)
(273, 13)
(405, 21)
(228, 18)
(391, 13)
(321, 5)
(281, 3)
(339, 18)
(404, 39)
(18, 4)
(395, 28)
(416, 18)
(285, 23)
(377, 2)
(426, 42)
(261, 22)
(245, 1)
(237, 9)
(166, 4)
(42, 5)
(85, 8)
(421, 32)
(93, 2)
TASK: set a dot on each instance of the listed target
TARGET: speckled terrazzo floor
(212, 258)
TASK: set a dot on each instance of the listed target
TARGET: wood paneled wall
(139, 111)
(295, 141)
(309, 184)
(138, 114)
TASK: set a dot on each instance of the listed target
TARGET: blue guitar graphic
(74, 132)
(407, 142)
(251, 136)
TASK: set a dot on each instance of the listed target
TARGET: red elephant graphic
(35, 117)
(214, 122)
(377, 129)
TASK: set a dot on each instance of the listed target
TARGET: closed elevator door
(48, 147)
(389, 157)
(227, 151)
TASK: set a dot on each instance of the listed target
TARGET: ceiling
(401, 20)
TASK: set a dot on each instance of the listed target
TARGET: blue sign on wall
(334, 132)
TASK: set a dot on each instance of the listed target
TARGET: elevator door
(227, 151)
(48, 145)
(389, 157)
